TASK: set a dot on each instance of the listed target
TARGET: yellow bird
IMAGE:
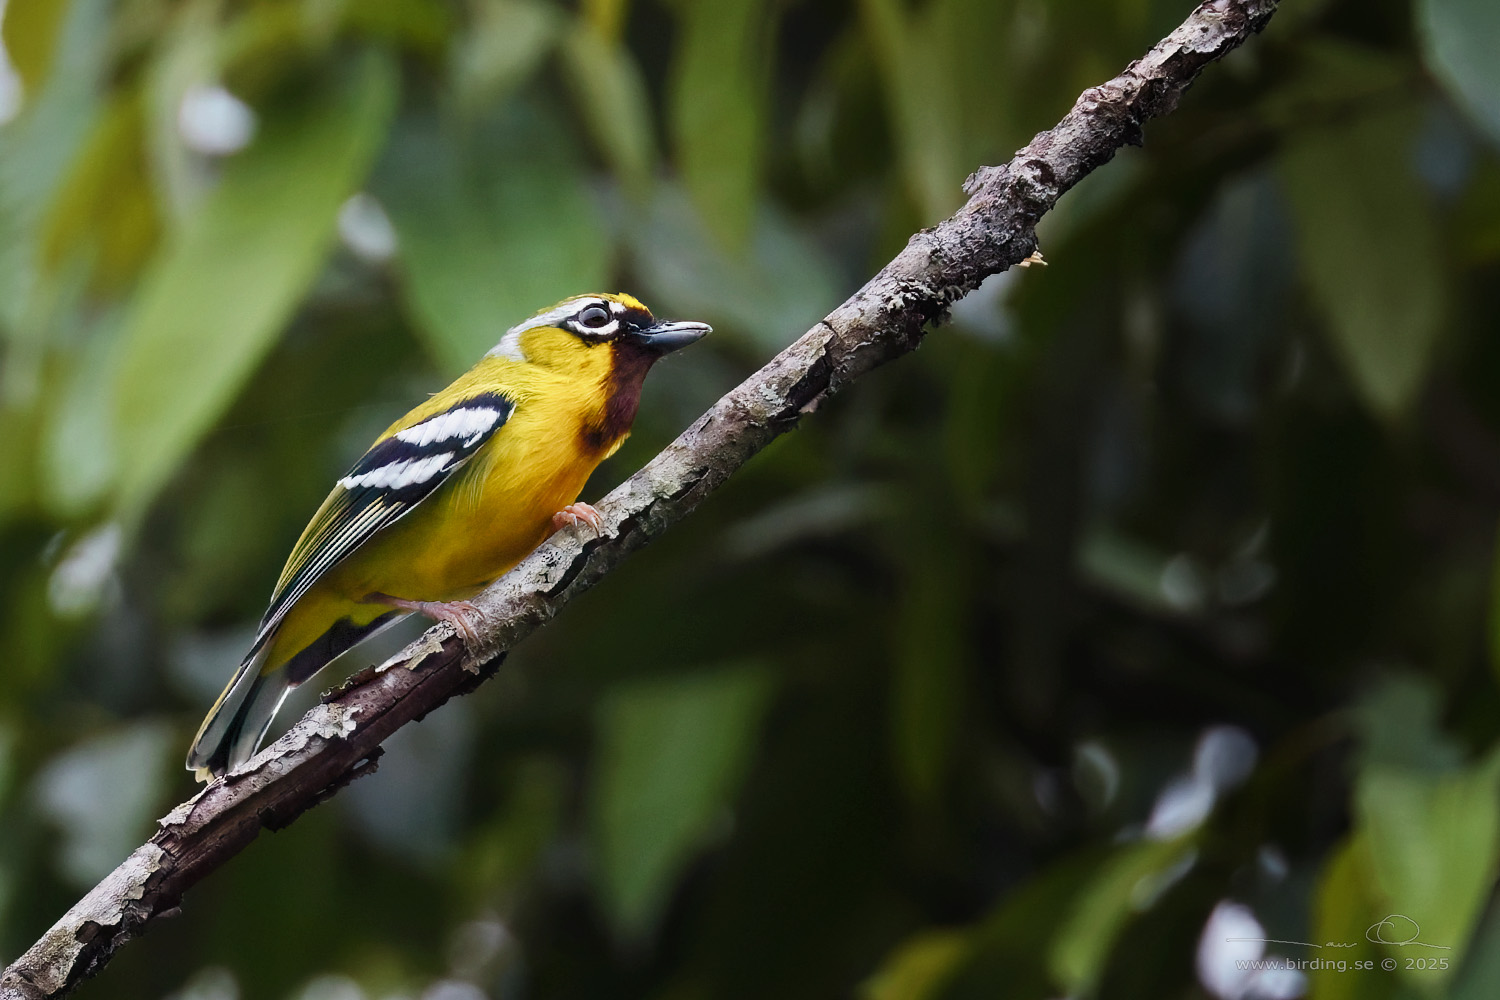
(447, 499)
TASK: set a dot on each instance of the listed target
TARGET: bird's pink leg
(576, 513)
(462, 615)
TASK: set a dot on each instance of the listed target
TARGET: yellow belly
(473, 529)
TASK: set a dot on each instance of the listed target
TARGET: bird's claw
(462, 615)
(579, 513)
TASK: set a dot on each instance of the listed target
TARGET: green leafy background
(1152, 603)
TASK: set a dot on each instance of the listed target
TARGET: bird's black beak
(668, 336)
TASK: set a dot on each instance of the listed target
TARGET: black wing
(398, 472)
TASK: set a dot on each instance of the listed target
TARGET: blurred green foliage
(1151, 604)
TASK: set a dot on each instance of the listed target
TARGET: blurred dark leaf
(612, 94)
(1232, 283)
(1330, 76)
(1479, 977)
(1479, 216)
(78, 443)
(30, 31)
(1493, 625)
(502, 49)
(1429, 830)
(504, 851)
(36, 153)
(1133, 571)
(910, 48)
(424, 25)
(928, 674)
(718, 111)
(105, 212)
(1127, 884)
(1399, 723)
(1432, 846)
(17, 484)
(213, 303)
(1004, 948)
(189, 55)
(918, 968)
(670, 756)
(986, 90)
(1458, 44)
(1371, 254)
(1342, 913)
(607, 17)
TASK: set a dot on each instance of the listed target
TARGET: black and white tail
(238, 721)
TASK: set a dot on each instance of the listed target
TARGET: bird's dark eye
(594, 316)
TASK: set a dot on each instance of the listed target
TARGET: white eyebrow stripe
(510, 344)
(551, 317)
(509, 347)
(573, 308)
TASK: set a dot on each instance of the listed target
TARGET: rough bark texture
(340, 739)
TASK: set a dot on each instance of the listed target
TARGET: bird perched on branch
(447, 499)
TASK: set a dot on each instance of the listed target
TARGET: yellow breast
(498, 508)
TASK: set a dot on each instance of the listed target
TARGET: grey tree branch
(340, 739)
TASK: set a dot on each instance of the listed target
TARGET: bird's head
(570, 335)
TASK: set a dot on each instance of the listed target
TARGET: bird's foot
(579, 513)
(462, 615)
